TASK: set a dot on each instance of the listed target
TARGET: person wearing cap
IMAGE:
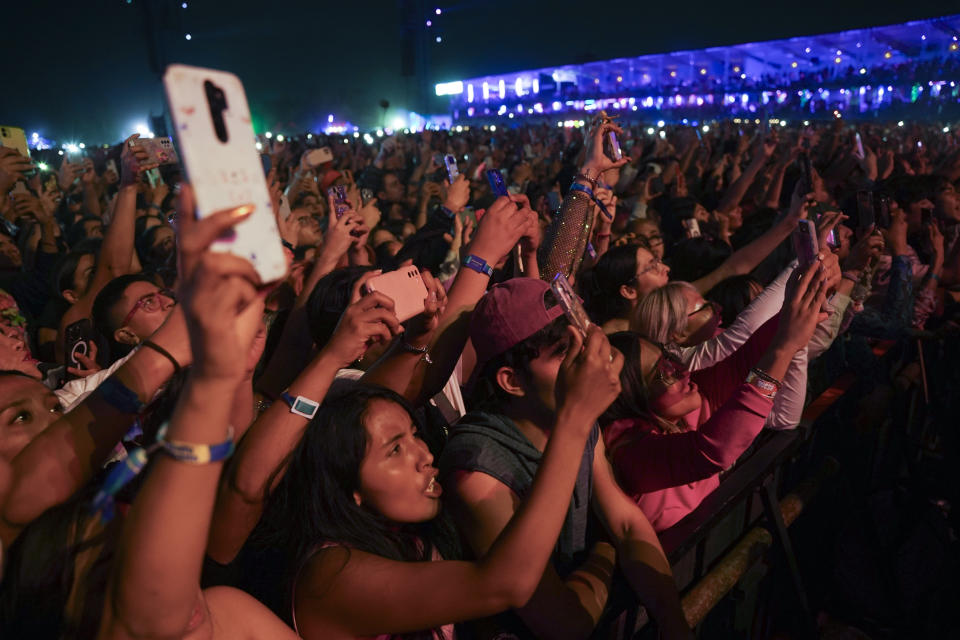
(521, 337)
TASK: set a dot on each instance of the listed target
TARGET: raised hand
(435, 303)
(134, 160)
(596, 160)
(805, 294)
(458, 194)
(589, 378)
(500, 230)
(13, 168)
(367, 320)
(219, 292)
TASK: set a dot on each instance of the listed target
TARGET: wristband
(287, 245)
(447, 212)
(478, 264)
(150, 344)
(766, 388)
(193, 453)
(583, 176)
(119, 396)
(300, 405)
(409, 348)
(154, 206)
(934, 276)
(576, 186)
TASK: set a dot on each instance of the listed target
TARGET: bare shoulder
(237, 615)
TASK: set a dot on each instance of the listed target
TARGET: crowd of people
(189, 452)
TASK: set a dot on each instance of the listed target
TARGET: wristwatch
(301, 406)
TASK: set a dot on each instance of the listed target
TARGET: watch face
(303, 406)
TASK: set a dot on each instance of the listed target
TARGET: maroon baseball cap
(508, 314)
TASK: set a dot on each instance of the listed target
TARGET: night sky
(81, 71)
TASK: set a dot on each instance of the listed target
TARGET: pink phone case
(405, 287)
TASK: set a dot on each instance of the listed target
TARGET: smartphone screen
(497, 184)
(882, 211)
(452, 170)
(340, 204)
(806, 169)
(615, 145)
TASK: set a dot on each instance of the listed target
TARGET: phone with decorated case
(216, 143)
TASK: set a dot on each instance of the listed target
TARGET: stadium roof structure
(720, 66)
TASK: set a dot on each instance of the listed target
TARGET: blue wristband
(118, 396)
(477, 264)
(449, 214)
(196, 453)
(576, 186)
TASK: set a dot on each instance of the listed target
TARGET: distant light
(454, 88)
(309, 136)
(70, 147)
(673, 74)
(279, 137)
(268, 135)
(900, 124)
(183, 5)
(368, 138)
(510, 115)
(859, 44)
(863, 70)
(596, 81)
(61, 150)
(838, 59)
(259, 146)
(839, 52)
(439, 39)
(705, 128)
(807, 50)
(619, 78)
(794, 64)
(887, 54)
(35, 135)
(188, 37)
(633, 108)
(356, 134)
(743, 76)
(660, 123)
(459, 129)
(806, 123)
(330, 118)
(923, 37)
(429, 23)
(953, 46)
(946, 129)
(82, 146)
(493, 127)
(43, 165)
(703, 72)
(650, 131)
(736, 69)
(379, 133)
(143, 131)
(437, 11)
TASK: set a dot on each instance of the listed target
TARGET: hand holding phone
(405, 287)
(452, 170)
(572, 307)
(805, 244)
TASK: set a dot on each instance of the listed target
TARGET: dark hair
(518, 358)
(692, 258)
(77, 231)
(155, 258)
(316, 492)
(140, 225)
(329, 299)
(427, 249)
(109, 296)
(600, 286)
(733, 295)
(65, 270)
(633, 401)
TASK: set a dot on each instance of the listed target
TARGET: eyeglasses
(149, 303)
(716, 308)
(669, 368)
(654, 264)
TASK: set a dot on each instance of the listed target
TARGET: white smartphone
(216, 143)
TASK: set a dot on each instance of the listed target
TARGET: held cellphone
(882, 211)
(14, 138)
(567, 298)
(112, 166)
(405, 287)
(926, 217)
(499, 188)
(832, 241)
(340, 203)
(615, 150)
(858, 150)
(266, 162)
(366, 195)
(805, 244)
(159, 150)
(691, 227)
(865, 215)
(317, 157)
(76, 341)
(452, 170)
(215, 137)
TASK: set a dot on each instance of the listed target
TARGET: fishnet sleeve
(566, 238)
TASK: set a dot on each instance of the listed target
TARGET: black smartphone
(266, 162)
(806, 170)
(882, 211)
(77, 339)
